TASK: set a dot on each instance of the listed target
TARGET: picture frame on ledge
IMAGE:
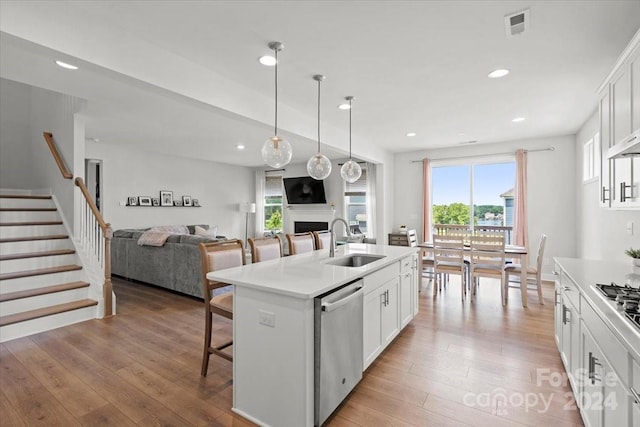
(195, 202)
(144, 200)
(166, 198)
(177, 203)
(155, 201)
(186, 200)
(132, 201)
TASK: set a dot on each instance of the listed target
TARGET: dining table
(511, 252)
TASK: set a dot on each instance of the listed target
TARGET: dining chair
(448, 256)
(322, 239)
(217, 256)
(265, 248)
(487, 260)
(300, 243)
(533, 272)
(426, 259)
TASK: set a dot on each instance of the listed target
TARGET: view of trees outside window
(273, 192)
(473, 194)
(355, 201)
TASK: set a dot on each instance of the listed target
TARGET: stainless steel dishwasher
(338, 347)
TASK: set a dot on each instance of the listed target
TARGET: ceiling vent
(517, 23)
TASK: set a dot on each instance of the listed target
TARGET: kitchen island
(273, 328)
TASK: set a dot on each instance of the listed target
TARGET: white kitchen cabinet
(381, 319)
(390, 314)
(619, 105)
(605, 189)
(408, 290)
(603, 372)
(603, 400)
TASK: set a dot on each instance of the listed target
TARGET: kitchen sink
(355, 260)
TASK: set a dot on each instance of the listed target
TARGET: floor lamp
(247, 208)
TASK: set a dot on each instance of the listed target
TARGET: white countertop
(309, 275)
(586, 274)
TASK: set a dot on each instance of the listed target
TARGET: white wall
(551, 190)
(219, 188)
(601, 232)
(28, 112)
(15, 136)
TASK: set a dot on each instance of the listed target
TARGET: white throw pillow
(211, 232)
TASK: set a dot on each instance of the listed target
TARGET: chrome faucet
(332, 244)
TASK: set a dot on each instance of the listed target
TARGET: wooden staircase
(41, 279)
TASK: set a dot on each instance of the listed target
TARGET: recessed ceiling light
(67, 66)
(344, 106)
(411, 134)
(240, 147)
(500, 72)
(518, 119)
(267, 60)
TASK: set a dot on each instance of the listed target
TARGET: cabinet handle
(555, 273)
(631, 139)
(556, 302)
(623, 191)
(593, 361)
(565, 320)
(566, 288)
(636, 396)
(604, 198)
(387, 297)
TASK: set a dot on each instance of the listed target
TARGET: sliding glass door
(473, 193)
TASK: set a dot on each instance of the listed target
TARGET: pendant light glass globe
(319, 166)
(276, 152)
(351, 171)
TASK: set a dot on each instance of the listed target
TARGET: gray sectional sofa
(175, 266)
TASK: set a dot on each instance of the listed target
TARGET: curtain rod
(486, 155)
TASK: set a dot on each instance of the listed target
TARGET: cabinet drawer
(611, 348)
(406, 264)
(398, 240)
(570, 291)
(377, 279)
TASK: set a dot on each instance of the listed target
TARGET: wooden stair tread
(40, 271)
(42, 291)
(46, 311)
(37, 254)
(23, 196)
(28, 209)
(30, 238)
(25, 223)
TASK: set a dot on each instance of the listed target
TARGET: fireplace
(306, 226)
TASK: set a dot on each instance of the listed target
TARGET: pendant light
(319, 166)
(276, 151)
(351, 170)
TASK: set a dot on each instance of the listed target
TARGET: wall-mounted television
(304, 190)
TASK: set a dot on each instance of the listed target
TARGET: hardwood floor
(454, 364)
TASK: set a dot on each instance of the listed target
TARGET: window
(590, 158)
(474, 194)
(273, 192)
(355, 202)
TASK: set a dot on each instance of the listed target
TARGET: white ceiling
(182, 77)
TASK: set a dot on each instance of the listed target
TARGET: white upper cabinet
(620, 132)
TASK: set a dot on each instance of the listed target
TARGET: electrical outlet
(630, 228)
(267, 318)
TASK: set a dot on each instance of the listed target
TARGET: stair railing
(95, 237)
(48, 136)
(95, 234)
